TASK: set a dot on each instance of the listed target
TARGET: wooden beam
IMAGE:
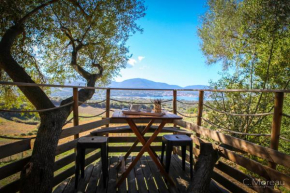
(200, 109)
(276, 123)
(174, 101)
(82, 128)
(76, 109)
(108, 99)
(14, 148)
(246, 146)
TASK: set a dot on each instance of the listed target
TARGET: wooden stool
(91, 142)
(176, 140)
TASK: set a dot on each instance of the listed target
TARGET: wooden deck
(145, 178)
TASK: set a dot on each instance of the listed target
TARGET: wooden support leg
(104, 163)
(183, 150)
(168, 156)
(162, 152)
(136, 142)
(146, 146)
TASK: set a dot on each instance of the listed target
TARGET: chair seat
(175, 138)
(92, 142)
(93, 139)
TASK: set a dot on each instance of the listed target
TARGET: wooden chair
(91, 142)
(176, 140)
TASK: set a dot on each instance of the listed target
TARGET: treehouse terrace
(241, 165)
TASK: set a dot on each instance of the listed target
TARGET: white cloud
(132, 62)
(140, 58)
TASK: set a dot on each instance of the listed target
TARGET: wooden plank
(227, 183)
(66, 146)
(112, 181)
(82, 128)
(140, 178)
(126, 129)
(120, 121)
(122, 188)
(117, 149)
(95, 177)
(12, 187)
(178, 175)
(131, 177)
(219, 178)
(162, 187)
(14, 148)
(148, 175)
(264, 171)
(130, 139)
(82, 184)
(70, 171)
(61, 187)
(241, 177)
(108, 100)
(246, 146)
(174, 102)
(13, 168)
(76, 110)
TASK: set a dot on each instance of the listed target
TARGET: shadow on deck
(145, 178)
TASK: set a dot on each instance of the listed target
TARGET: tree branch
(34, 11)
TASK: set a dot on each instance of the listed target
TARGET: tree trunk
(203, 169)
(37, 175)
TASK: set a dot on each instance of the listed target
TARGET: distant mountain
(144, 83)
(196, 87)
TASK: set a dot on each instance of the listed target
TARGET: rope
(36, 111)
(235, 132)
(187, 103)
(93, 115)
(235, 114)
(283, 138)
(129, 102)
(68, 121)
(288, 116)
(92, 103)
(186, 115)
(6, 137)
(138, 102)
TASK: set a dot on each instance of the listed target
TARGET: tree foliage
(66, 38)
(252, 38)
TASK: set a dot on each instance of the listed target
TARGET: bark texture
(203, 169)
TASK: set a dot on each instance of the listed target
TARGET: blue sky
(169, 48)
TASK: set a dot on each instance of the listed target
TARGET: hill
(144, 83)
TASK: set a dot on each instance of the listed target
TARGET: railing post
(76, 109)
(174, 101)
(174, 104)
(108, 93)
(200, 109)
(276, 123)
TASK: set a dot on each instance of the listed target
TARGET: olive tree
(55, 41)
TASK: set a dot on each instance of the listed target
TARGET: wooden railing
(234, 151)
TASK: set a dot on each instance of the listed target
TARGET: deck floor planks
(92, 184)
(148, 175)
(122, 188)
(140, 178)
(131, 177)
(162, 187)
(145, 172)
(113, 175)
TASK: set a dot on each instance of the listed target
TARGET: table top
(119, 115)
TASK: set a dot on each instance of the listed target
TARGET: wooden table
(167, 118)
